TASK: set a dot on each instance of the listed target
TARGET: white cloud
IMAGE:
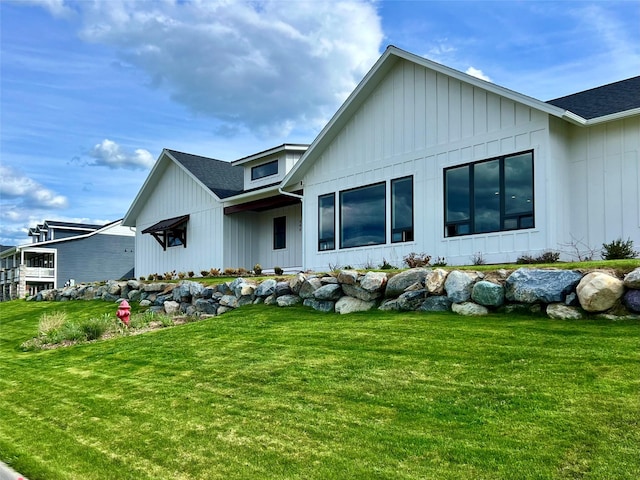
(268, 66)
(109, 154)
(57, 8)
(474, 72)
(29, 193)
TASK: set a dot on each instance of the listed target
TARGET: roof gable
(605, 100)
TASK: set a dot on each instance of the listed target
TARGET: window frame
(257, 175)
(407, 234)
(520, 217)
(280, 233)
(327, 243)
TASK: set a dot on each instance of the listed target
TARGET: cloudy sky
(92, 91)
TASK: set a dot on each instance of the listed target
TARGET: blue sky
(92, 91)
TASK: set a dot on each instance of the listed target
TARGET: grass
(277, 393)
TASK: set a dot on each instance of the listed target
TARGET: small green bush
(387, 266)
(278, 270)
(545, 257)
(618, 250)
(94, 328)
(50, 322)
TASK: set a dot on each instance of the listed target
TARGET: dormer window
(264, 170)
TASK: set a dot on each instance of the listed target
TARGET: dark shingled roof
(597, 102)
(220, 177)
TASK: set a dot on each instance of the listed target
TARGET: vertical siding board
(466, 110)
(454, 108)
(431, 106)
(442, 113)
(479, 111)
(420, 112)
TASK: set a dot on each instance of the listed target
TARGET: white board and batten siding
(419, 122)
(251, 235)
(604, 183)
(178, 194)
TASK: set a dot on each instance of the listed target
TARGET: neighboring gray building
(66, 253)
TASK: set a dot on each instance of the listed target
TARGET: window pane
(362, 216)
(518, 184)
(279, 233)
(326, 222)
(265, 170)
(457, 194)
(486, 196)
(402, 210)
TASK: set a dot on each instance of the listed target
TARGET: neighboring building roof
(220, 177)
(605, 100)
(84, 226)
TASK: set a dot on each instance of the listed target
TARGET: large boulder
(348, 277)
(349, 305)
(328, 292)
(295, 282)
(631, 300)
(411, 300)
(283, 288)
(397, 284)
(288, 300)
(488, 294)
(439, 303)
(598, 291)
(373, 281)
(632, 279)
(530, 285)
(560, 311)
(434, 281)
(357, 291)
(459, 285)
(320, 305)
(171, 307)
(266, 288)
(309, 286)
(469, 309)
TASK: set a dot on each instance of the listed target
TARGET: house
(66, 253)
(195, 213)
(420, 158)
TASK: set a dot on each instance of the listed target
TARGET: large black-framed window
(362, 216)
(489, 196)
(402, 209)
(327, 222)
(279, 233)
(264, 170)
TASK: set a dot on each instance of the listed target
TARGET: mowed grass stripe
(292, 393)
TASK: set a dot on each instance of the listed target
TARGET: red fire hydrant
(124, 312)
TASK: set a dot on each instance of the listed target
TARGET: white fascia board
(614, 116)
(252, 195)
(286, 147)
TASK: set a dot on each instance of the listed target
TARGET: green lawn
(266, 392)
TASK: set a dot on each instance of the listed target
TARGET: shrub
(414, 260)
(387, 266)
(477, 258)
(278, 270)
(70, 331)
(544, 257)
(230, 272)
(181, 275)
(618, 250)
(94, 328)
(242, 271)
(257, 269)
(190, 274)
(440, 262)
(142, 279)
(50, 322)
(204, 273)
(214, 272)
